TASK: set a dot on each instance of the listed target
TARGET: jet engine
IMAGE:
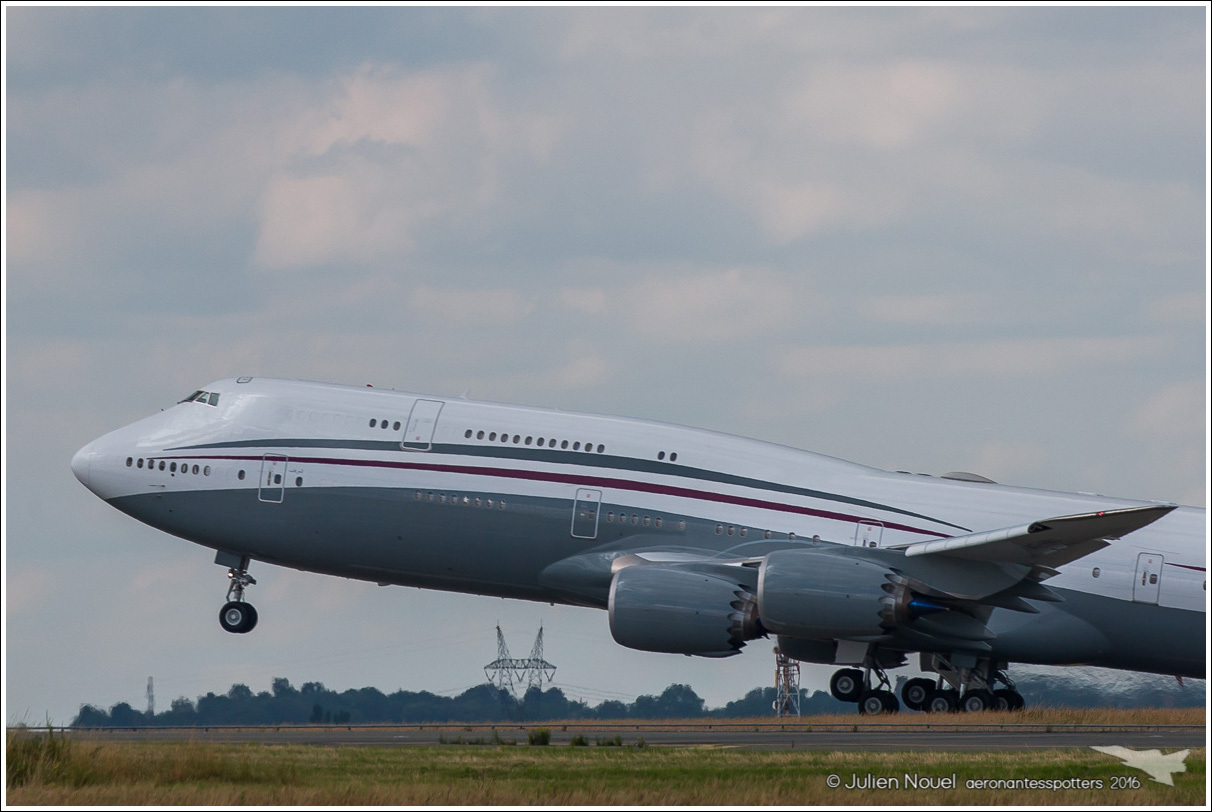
(681, 610)
(822, 595)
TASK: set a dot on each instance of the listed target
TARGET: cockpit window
(210, 398)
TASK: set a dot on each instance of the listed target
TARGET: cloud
(585, 371)
(677, 306)
(338, 218)
(382, 154)
(927, 309)
(464, 306)
(709, 307)
(26, 589)
(1010, 358)
(884, 107)
(1006, 461)
(1179, 410)
(585, 300)
(1185, 308)
(1169, 432)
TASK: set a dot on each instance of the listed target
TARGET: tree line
(313, 703)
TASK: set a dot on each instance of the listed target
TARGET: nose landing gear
(236, 616)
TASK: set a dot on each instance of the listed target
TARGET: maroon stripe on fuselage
(1185, 566)
(581, 480)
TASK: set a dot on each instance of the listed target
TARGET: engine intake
(681, 611)
(824, 595)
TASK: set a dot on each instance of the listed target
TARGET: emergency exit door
(1147, 585)
(422, 421)
(585, 509)
(272, 486)
(868, 534)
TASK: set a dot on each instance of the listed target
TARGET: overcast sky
(920, 239)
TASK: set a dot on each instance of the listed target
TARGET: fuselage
(517, 502)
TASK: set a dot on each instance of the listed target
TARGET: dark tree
(123, 715)
(611, 709)
(90, 716)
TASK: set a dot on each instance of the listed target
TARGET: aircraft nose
(82, 464)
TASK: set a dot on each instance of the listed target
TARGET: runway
(764, 736)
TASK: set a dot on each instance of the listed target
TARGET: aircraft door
(585, 509)
(422, 421)
(868, 534)
(1147, 585)
(272, 486)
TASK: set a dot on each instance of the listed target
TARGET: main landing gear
(977, 683)
(941, 695)
(236, 616)
(854, 685)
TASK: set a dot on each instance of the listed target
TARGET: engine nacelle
(822, 595)
(681, 611)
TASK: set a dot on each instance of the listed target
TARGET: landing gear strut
(960, 686)
(236, 616)
(853, 685)
(976, 681)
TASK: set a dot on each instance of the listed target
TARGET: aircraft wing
(1047, 542)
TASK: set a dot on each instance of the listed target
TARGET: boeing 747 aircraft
(693, 542)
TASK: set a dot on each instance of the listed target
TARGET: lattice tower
(787, 685)
(519, 675)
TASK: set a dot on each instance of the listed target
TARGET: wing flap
(1049, 542)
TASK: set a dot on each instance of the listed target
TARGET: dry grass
(1041, 715)
(1037, 715)
(198, 774)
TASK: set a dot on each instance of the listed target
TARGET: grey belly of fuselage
(410, 538)
(492, 544)
(1090, 629)
(379, 534)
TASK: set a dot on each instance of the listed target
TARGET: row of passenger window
(733, 530)
(548, 442)
(374, 421)
(455, 499)
(635, 518)
(171, 467)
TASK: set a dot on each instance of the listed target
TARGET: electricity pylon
(519, 675)
(787, 685)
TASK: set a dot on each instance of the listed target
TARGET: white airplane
(694, 542)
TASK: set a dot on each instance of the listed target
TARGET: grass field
(54, 770)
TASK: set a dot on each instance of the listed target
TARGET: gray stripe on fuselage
(569, 458)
